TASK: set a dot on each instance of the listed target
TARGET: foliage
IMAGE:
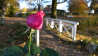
(26, 14)
(36, 50)
(28, 54)
(88, 23)
(32, 12)
(94, 40)
(10, 11)
(49, 52)
(1, 2)
(1, 52)
(24, 9)
(94, 5)
(13, 51)
(21, 14)
(6, 3)
(9, 40)
(20, 51)
(78, 6)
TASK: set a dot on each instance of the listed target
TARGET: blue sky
(62, 6)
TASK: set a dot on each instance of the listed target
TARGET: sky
(62, 6)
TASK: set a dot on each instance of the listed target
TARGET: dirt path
(49, 39)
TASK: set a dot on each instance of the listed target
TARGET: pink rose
(35, 21)
(12, 43)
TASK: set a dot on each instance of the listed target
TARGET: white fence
(36, 36)
(60, 25)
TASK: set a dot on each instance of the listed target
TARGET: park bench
(62, 26)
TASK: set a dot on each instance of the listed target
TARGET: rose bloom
(12, 42)
(35, 20)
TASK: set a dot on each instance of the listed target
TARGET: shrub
(47, 13)
(21, 14)
(32, 12)
(27, 14)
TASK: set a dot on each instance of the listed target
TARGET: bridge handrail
(64, 21)
(61, 24)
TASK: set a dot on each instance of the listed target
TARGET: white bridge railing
(62, 26)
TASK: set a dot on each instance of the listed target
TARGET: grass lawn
(76, 19)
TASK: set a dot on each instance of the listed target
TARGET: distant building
(47, 9)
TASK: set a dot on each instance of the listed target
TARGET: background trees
(6, 3)
(78, 6)
(1, 2)
(94, 5)
(24, 9)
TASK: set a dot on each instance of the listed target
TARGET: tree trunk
(39, 7)
(53, 10)
(3, 13)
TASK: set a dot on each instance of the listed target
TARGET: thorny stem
(32, 31)
(30, 41)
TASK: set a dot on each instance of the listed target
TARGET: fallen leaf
(59, 38)
(60, 42)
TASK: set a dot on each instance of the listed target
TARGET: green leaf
(32, 54)
(44, 53)
(26, 47)
(13, 51)
(36, 50)
(1, 52)
(28, 54)
(49, 52)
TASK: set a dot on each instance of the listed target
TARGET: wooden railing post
(60, 27)
(46, 22)
(37, 38)
(52, 24)
(74, 33)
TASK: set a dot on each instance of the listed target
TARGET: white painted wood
(67, 31)
(61, 25)
(46, 22)
(64, 21)
(52, 24)
(37, 38)
(74, 34)
(72, 31)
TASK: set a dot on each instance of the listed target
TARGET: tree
(53, 9)
(94, 5)
(78, 6)
(38, 3)
(1, 2)
(3, 12)
(5, 3)
(24, 10)
(11, 11)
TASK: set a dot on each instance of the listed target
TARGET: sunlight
(23, 4)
